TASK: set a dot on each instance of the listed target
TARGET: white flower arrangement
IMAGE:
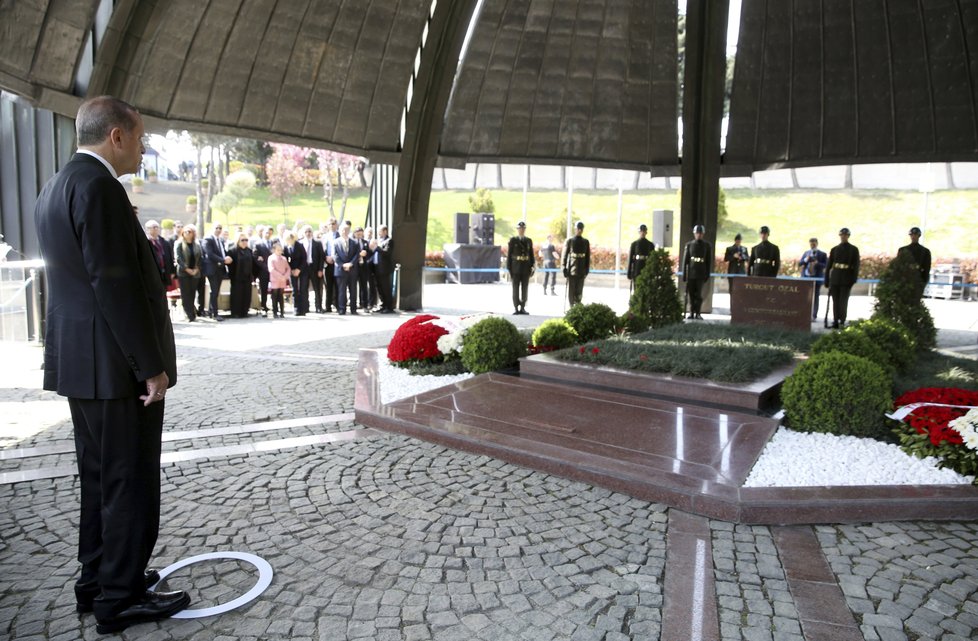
(452, 341)
(967, 427)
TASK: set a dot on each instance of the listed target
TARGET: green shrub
(889, 336)
(556, 333)
(166, 223)
(898, 300)
(491, 344)
(656, 297)
(634, 322)
(592, 321)
(838, 393)
(855, 343)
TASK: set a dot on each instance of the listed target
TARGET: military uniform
(920, 256)
(765, 259)
(638, 254)
(841, 273)
(519, 263)
(577, 265)
(697, 264)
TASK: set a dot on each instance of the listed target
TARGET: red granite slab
(752, 397)
(686, 456)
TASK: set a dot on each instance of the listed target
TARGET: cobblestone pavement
(385, 537)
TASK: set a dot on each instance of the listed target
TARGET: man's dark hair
(99, 116)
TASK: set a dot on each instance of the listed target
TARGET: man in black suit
(295, 253)
(263, 249)
(330, 235)
(384, 268)
(315, 262)
(109, 348)
(215, 266)
(363, 268)
(162, 252)
(346, 268)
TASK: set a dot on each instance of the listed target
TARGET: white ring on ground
(264, 580)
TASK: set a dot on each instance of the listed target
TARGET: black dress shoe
(152, 607)
(86, 598)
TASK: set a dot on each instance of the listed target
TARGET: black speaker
(487, 229)
(462, 229)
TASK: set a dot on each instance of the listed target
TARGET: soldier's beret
(642, 227)
(765, 230)
(915, 230)
(844, 230)
(580, 225)
(521, 224)
(699, 229)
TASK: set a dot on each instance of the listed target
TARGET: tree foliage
(656, 296)
(286, 174)
(236, 188)
(898, 300)
(481, 202)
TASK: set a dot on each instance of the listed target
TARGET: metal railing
(21, 300)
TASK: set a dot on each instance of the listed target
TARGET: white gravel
(790, 459)
(397, 383)
(793, 459)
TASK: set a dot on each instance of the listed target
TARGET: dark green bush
(634, 322)
(838, 393)
(898, 300)
(889, 336)
(855, 343)
(656, 297)
(556, 333)
(592, 321)
(491, 344)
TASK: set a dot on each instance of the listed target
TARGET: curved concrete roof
(588, 82)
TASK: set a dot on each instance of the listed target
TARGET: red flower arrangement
(933, 421)
(416, 340)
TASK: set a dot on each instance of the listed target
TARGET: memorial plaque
(772, 302)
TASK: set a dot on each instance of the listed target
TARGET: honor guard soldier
(765, 257)
(841, 273)
(920, 256)
(577, 263)
(520, 263)
(697, 263)
(638, 254)
(736, 259)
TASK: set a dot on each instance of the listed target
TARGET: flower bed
(944, 427)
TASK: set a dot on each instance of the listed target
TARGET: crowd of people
(345, 270)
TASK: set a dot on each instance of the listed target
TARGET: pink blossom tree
(286, 172)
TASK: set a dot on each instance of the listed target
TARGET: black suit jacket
(296, 256)
(108, 328)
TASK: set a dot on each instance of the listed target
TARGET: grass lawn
(934, 369)
(879, 220)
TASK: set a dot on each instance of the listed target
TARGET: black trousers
(818, 290)
(363, 278)
(385, 290)
(330, 282)
(316, 284)
(575, 289)
(214, 282)
(346, 287)
(278, 302)
(300, 292)
(521, 283)
(694, 288)
(118, 445)
(263, 290)
(188, 287)
(201, 286)
(371, 284)
(840, 302)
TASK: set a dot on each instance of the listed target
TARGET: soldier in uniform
(765, 257)
(520, 263)
(577, 263)
(736, 259)
(697, 263)
(638, 254)
(920, 256)
(841, 273)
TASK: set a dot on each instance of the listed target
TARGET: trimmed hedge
(891, 337)
(592, 322)
(855, 343)
(556, 333)
(838, 393)
(491, 344)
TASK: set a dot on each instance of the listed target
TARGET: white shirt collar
(101, 160)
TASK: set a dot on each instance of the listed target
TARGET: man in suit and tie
(330, 234)
(363, 268)
(162, 252)
(109, 348)
(316, 262)
(215, 267)
(262, 250)
(346, 267)
(295, 253)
